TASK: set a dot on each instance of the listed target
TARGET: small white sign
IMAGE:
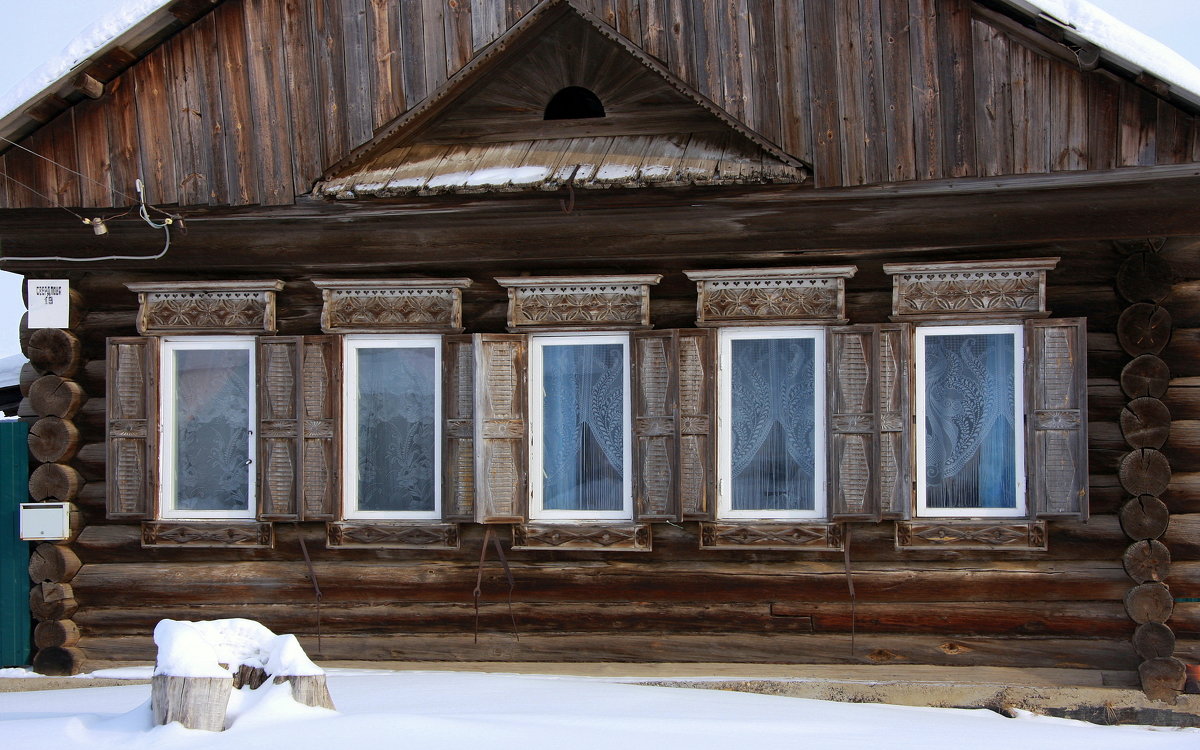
(49, 303)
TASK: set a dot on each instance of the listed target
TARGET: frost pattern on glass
(583, 427)
(212, 429)
(970, 446)
(773, 459)
(396, 429)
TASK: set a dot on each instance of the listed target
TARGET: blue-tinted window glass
(396, 413)
(212, 429)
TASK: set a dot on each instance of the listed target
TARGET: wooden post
(194, 702)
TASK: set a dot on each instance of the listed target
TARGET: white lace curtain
(212, 438)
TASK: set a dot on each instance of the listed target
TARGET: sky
(37, 30)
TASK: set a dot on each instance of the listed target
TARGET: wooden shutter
(279, 426)
(696, 372)
(655, 426)
(458, 414)
(852, 443)
(132, 460)
(1056, 417)
(895, 420)
(320, 411)
(501, 427)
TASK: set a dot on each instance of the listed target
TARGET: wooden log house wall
(236, 116)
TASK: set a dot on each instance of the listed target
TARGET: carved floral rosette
(1030, 535)
(951, 290)
(771, 296)
(391, 305)
(167, 307)
(564, 303)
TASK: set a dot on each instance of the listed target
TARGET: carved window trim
(771, 296)
(350, 462)
(576, 303)
(391, 305)
(724, 511)
(168, 447)
(958, 290)
(187, 307)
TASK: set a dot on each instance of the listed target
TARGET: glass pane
(970, 435)
(773, 459)
(583, 427)
(396, 429)
(212, 429)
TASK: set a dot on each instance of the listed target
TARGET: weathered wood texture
(194, 702)
(250, 103)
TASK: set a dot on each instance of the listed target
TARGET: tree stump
(1147, 560)
(194, 702)
(52, 601)
(53, 440)
(1146, 423)
(1146, 375)
(1153, 640)
(1144, 517)
(52, 396)
(311, 690)
(1150, 602)
(1162, 678)
(53, 563)
(52, 633)
(57, 661)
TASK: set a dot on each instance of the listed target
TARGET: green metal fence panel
(14, 553)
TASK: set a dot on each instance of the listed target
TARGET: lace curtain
(970, 392)
(396, 429)
(583, 426)
(773, 457)
(212, 429)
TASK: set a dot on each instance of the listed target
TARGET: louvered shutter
(279, 425)
(853, 423)
(132, 427)
(696, 367)
(655, 426)
(320, 412)
(1056, 417)
(458, 451)
(895, 420)
(501, 427)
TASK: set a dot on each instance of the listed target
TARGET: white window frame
(537, 342)
(168, 450)
(1018, 333)
(351, 345)
(820, 339)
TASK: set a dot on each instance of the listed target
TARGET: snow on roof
(10, 370)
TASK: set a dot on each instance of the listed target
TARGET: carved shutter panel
(895, 420)
(501, 427)
(852, 442)
(320, 413)
(458, 413)
(696, 368)
(132, 460)
(655, 426)
(1056, 417)
(278, 426)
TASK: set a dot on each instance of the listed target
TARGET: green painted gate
(14, 553)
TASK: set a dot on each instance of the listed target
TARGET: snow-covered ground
(449, 710)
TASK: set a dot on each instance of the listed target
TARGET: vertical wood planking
(793, 65)
(41, 177)
(926, 99)
(764, 84)
(359, 93)
(459, 44)
(898, 90)
(680, 30)
(210, 77)
(629, 20)
(656, 22)
(240, 151)
(517, 8)
(1139, 113)
(22, 176)
(993, 102)
(62, 150)
(269, 100)
(850, 64)
(329, 67)
(704, 28)
(434, 33)
(4, 182)
(1030, 110)
(387, 45)
(488, 21)
(154, 128)
(1104, 109)
(826, 114)
(308, 153)
(190, 115)
(412, 62)
(123, 138)
(1172, 135)
(957, 87)
(1068, 119)
(91, 127)
(738, 70)
(874, 104)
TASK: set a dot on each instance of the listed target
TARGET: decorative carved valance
(618, 537)
(391, 305)
(167, 307)
(769, 535)
(392, 535)
(957, 289)
(207, 534)
(1019, 535)
(771, 296)
(572, 303)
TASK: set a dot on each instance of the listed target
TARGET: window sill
(236, 534)
(731, 534)
(611, 537)
(977, 534)
(391, 535)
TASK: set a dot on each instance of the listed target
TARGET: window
(392, 396)
(970, 429)
(580, 467)
(208, 412)
(573, 103)
(771, 423)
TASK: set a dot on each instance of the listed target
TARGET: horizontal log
(1146, 375)
(1109, 654)
(52, 601)
(1182, 537)
(94, 375)
(1145, 277)
(53, 563)
(56, 351)
(1147, 560)
(1149, 602)
(1145, 472)
(1153, 640)
(52, 440)
(1182, 355)
(91, 459)
(59, 661)
(54, 396)
(1146, 423)
(1144, 517)
(1183, 400)
(1182, 448)
(26, 379)
(1162, 678)
(1183, 493)
(61, 633)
